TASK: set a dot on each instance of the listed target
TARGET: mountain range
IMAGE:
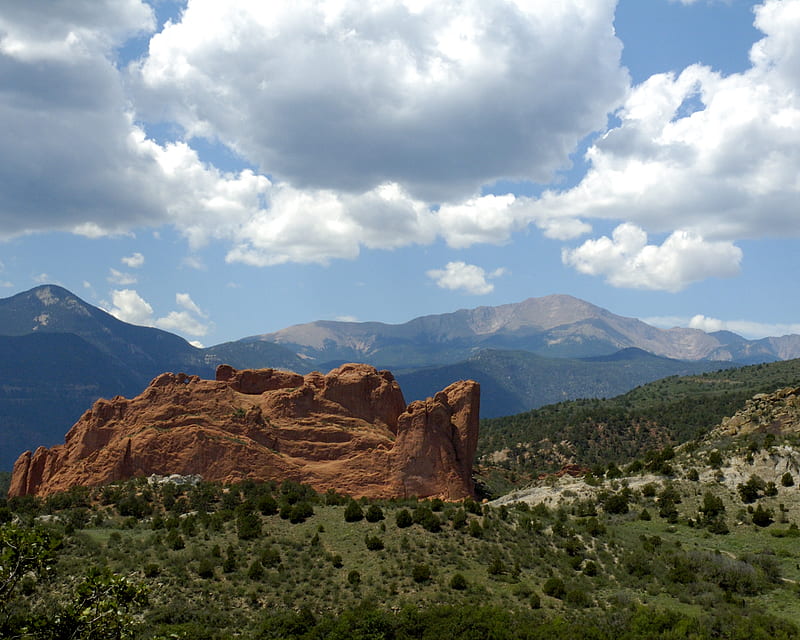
(58, 354)
(557, 326)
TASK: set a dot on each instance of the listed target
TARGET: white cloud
(129, 306)
(710, 154)
(133, 261)
(185, 300)
(120, 278)
(346, 319)
(469, 278)
(182, 322)
(626, 260)
(366, 117)
(379, 123)
(440, 98)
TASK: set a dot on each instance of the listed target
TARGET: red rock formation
(348, 430)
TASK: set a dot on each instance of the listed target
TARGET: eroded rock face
(348, 430)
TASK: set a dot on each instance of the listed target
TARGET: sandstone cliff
(348, 430)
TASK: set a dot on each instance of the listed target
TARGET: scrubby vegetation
(595, 432)
(213, 561)
(664, 530)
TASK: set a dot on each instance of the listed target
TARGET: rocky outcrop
(348, 430)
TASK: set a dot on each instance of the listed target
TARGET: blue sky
(227, 169)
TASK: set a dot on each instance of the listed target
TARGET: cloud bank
(381, 125)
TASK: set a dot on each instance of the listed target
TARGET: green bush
(762, 517)
(421, 573)
(256, 570)
(458, 582)
(353, 512)
(404, 519)
(616, 503)
(787, 480)
(554, 587)
(374, 513)
(374, 543)
(577, 597)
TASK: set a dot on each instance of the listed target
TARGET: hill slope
(596, 432)
(516, 381)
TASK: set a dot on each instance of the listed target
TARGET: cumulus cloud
(377, 124)
(469, 278)
(626, 260)
(440, 97)
(129, 306)
(365, 117)
(711, 154)
(133, 261)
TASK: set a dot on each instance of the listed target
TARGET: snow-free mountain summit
(554, 325)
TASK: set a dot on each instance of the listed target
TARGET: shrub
(256, 570)
(649, 490)
(554, 587)
(270, 557)
(750, 491)
(762, 517)
(354, 577)
(712, 507)
(267, 505)
(374, 543)
(787, 480)
(403, 519)
(616, 503)
(205, 568)
(475, 529)
(578, 598)
(458, 582)
(771, 490)
(173, 540)
(692, 475)
(300, 511)
(459, 519)
(594, 527)
(248, 523)
(353, 512)
(421, 573)
(374, 513)
(426, 518)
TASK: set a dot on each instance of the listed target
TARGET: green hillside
(514, 381)
(266, 561)
(598, 431)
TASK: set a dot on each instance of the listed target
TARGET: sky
(226, 169)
